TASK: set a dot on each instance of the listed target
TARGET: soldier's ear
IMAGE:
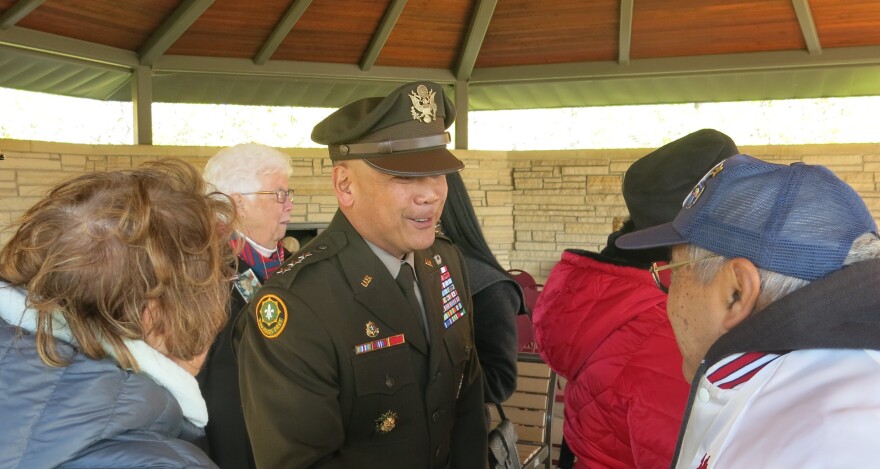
(342, 178)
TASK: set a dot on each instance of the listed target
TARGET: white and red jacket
(795, 385)
(602, 325)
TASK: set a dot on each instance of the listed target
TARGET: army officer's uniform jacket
(336, 370)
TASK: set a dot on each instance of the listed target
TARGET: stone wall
(532, 205)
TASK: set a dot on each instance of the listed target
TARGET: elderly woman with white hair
(256, 178)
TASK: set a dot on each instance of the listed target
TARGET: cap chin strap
(353, 150)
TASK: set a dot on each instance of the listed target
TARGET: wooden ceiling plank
(808, 26)
(626, 24)
(294, 13)
(474, 39)
(171, 29)
(382, 33)
(18, 11)
(84, 51)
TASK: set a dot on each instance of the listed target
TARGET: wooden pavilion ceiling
(499, 54)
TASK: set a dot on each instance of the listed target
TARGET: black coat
(497, 301)
(226, 440)
(310, 399)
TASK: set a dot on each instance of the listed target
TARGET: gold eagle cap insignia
(423, 109)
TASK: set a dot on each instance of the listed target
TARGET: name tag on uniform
(379, 344)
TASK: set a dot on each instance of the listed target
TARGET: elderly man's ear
(742, 286)
(238, 200)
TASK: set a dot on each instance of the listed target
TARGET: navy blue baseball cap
(799, 220)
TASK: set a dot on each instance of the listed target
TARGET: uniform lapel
(376, 290)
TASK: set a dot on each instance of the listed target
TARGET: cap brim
(430, 162)
(654, 237)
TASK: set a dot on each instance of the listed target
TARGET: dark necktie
(406, 280)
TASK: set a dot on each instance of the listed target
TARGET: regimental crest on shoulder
(424, 108)
(271, 316)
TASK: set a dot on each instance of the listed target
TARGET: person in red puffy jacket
(601, 322)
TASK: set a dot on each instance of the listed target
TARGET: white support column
(461, 115)
(142, 104)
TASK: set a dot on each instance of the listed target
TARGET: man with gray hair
(256, 179)
(775, 308)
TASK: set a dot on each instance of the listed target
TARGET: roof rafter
(474, 40)
(681, 66)
(82, 51)
(171, 29)
(293, 14)
(808, 27)
(18, 11)
(626, 24)
(296, 69)
(382, 33)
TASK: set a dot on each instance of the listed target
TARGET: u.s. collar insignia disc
(424, 108)
(372, 330)
(271, 316)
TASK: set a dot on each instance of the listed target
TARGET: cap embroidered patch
(453, 310)
(379, 344)
(271, 316)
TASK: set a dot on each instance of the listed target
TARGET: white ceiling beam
(171, 29)
(476, 34)
(284, 27)
(392, 14)
(680, 66)
(626, 24)
(18, 11)
(296, 69)
(40, 42)
(808, 27)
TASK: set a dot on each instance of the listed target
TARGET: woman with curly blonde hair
(112, 289)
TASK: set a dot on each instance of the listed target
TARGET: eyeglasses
(656, 269)
(281, 195)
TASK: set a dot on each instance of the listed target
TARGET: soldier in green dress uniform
(359, 352)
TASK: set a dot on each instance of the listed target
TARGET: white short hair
(237, 169)
(773, 284)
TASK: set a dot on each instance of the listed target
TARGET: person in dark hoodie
(601, 322)
(112, 289)
(775, 308)
(497, 297)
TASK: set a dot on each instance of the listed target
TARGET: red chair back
(531, 289)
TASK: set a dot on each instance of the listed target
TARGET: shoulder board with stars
(287, 272)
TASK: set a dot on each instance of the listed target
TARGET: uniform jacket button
(389, 381)
(435, 417)
(467, 349)
(435, 378)
(322, 247)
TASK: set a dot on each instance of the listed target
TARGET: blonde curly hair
(101, 248)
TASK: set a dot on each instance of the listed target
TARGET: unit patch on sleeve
(271, 316)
